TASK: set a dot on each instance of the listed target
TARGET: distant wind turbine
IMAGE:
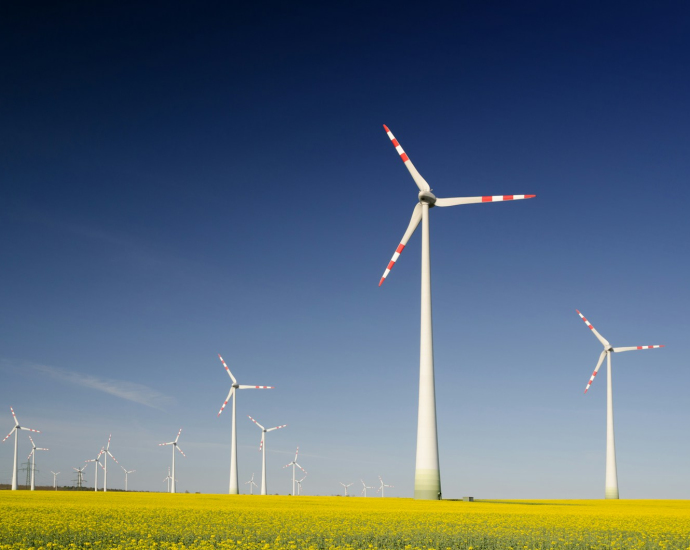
(346, 486)
(233, 488)
(299, 484)
(262, 447)
(293, 464)
(127, 472)
(364, 488)
(251, 485)
(106, 453)
(15, 431)
(97, 461)
(381, 488)
(174, 446)
(32, 456)
(55, 474)
(80, 476)
(611, 487)
(427, 484)
(168, 479)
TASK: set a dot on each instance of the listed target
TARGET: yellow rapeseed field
(47, 520)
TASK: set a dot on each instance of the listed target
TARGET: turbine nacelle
(427, 197)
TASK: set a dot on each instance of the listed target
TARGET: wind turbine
(262, 447)
(251, 485)
(364, 488)
(299, 484)
(234, 490)
(427, 484)
(127, 474)
(55, 474)
(611, 488)
(32, 456)
(174, 446)
(80, 476)
(15, 430)
(97, 460)
(293, 464)
(168, 479)
(106, 452)
(346, 486)
(382, 486)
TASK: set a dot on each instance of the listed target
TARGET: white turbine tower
(168, 479)
(251, 485)
(106, 453)
(381, 488)
(611, 489)
(55, 474)
(427, 484)
(15, 431)
(174, 446)
(293, 464)
(346, 486)
(234, 489)
(262, 447)
(80, 476)
(127, 472)
(364, 488)
(97, 461)
(32, 456)
(299, 484)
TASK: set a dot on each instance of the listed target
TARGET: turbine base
(611, 492)
(427, 485)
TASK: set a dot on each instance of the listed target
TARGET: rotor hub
(427, 197)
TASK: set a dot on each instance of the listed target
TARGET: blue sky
(180, 181)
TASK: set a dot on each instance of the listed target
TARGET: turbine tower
(55, 474)
(106, 452)
(234, 489)
(174, 446)
(168, 479)
(97, 460)
(381, 488)
(127, 472)
(427, 484)
(293, 464)
(15, 430)
(262, 447)
(611, 488)
(364, 488)
(346, 486)
(299, 484)
(32, 457)
(251, 485)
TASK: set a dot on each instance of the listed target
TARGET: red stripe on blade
(404, 157)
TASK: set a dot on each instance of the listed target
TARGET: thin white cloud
(130, 391)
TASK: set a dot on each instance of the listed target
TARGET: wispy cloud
(130, 391)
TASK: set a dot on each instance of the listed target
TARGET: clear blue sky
(180, 180)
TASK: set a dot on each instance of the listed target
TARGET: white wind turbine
(262, 447)
(381, 488)
(234, 489)
(427, 483)
(15, 431)
(127, 472)
(299, 484)
(106, 453)
(97, 461)
(346, 486)
(168, 479)
(364, 488)
(32, 456)
(174, 446)
(251, 485)
(55, 474)
(611, 488)
(293, 464)
(80, 476)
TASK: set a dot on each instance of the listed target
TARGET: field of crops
(46, 520)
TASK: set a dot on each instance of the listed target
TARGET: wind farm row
(427, 484)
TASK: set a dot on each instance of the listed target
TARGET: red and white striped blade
(111, 456)
(227, 369)
(161, 444)
(178, 448)
(300, 467)
(41, 449)
(9, 434)
(636, 347)
(28, 429)
(178, 435)
(296, 453)
(242, 387)
(108, 445)
(255, 422)
(276, 428)
(472, 200)
(232, 390)
(16, 422)
(32, 442)
(603, 340)
(261, 445)
(414, 222)
(418, 179)
(596, 370)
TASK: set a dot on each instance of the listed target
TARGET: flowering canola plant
(47, 520)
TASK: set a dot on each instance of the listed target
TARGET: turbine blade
(418, 179)
(256, 387)
(27, 429)
(300, 467)
(591, 379)
(234, 381)
(161, 444)
(9, 434)
(472, 200)
(108, 445)
(296, 452)
(111, 456)
(255, 422)
(16, 422)
(230, 393)
(178, 435)
(603, 340)
(178, 448)
(276, 428)
(261, 445)
(414, 222)
(636, 347)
